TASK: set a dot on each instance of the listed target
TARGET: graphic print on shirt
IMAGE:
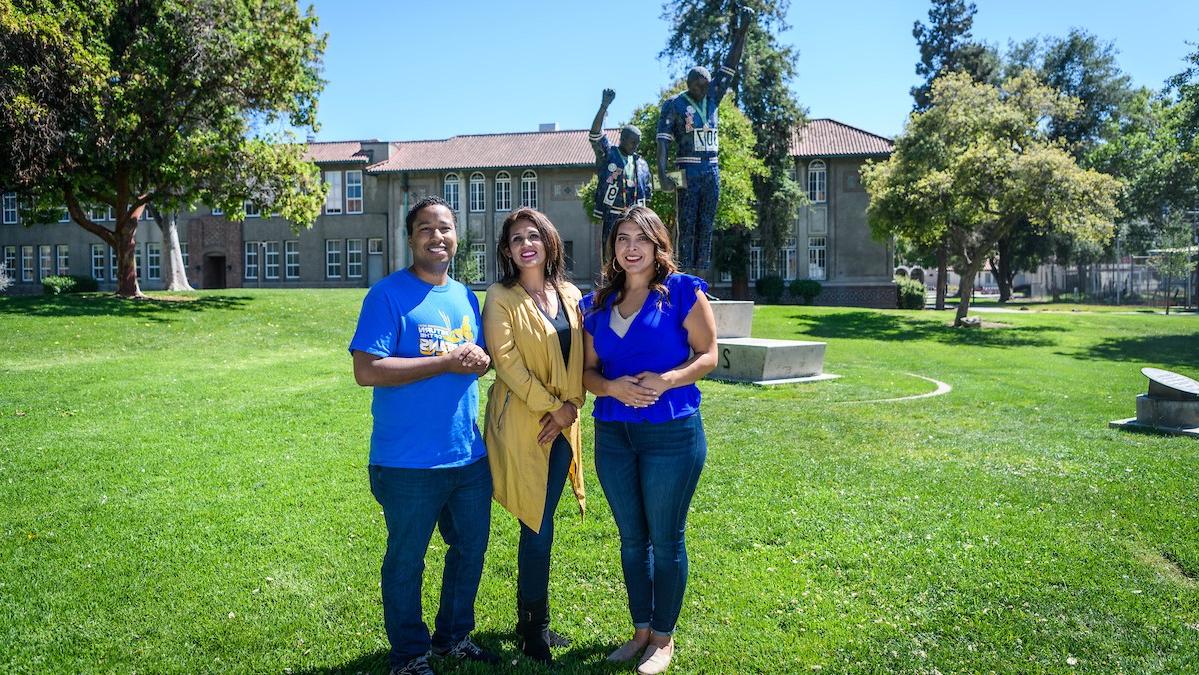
(436, 340)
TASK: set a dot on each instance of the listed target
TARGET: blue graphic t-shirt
(692, 125)
(430, 423)
(623, 181)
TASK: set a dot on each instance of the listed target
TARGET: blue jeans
(697, 217)
(458, 501)
(533, 553)
(649, 472)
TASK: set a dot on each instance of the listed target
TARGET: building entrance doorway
(214, 271)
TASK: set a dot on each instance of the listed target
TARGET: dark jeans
(458, 501)
(649, 473)
(533, 553)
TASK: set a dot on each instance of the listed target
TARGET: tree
(701, 34)
(978, 161)
(128, 103)
(1172, 257)
(738, 166)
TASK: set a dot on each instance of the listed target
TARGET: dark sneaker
(468, 650)
(557, 639)
(417, 666)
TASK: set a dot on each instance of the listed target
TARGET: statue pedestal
(1170, 407)
(761, 361)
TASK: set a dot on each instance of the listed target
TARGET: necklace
(540, 297)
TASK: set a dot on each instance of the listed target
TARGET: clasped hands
(639, 391)
(469, 359)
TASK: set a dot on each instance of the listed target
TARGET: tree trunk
(126, 232)
(942, 274)
(967, 276)
(740, 285)
(1004, 274)
(174, 273)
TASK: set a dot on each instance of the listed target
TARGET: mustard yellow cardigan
(531, 380)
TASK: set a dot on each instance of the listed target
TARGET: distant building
(360, 236)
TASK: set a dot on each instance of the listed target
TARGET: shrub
(5, 280)
(805, 289)
(84, 284)
(911, 293)
(770, 288)
(57, 285)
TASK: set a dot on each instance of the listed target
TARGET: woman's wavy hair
(555, 260)
(610, 289)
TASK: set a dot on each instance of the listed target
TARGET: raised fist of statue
(608, 97)
(666, 183)
(745, 15)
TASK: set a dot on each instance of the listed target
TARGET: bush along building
(359, 237)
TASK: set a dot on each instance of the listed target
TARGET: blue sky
(407, 70)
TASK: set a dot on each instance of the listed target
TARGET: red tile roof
(830, 138)
(532, 149)
(342, 151)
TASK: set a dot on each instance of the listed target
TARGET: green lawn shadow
(896, 327)
(106, 304)
(1171, 351)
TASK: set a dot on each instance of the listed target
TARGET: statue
(689, 119)
(624, 178)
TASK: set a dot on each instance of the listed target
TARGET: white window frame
(27, 263)
(818, 258)
(477, 193)
(354, 186)
(10, 261)
(9, 206)
(503, 192)
(353, 258)
(756, 269)
(333, 258)
(153, 260)
(374, 246)
(45, 261)
(333, 205)
(252, 210)
(270, 260)
(217, 211)
(479, 251)
(64, 216)
(789, 260)
(451, 191)
(183, 255)
(528, 189)
(97, 252)
(62, 260)
(137, 260)
(291, 259)
(250, 261)
(112, 263)
(817, 181)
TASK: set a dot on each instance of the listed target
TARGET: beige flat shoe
(626, 652)
(656, 659)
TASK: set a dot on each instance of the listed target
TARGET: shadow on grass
(573, 659)
(1176, 351)
(895, 327)
(105, 304)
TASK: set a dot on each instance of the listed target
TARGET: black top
(561, 324)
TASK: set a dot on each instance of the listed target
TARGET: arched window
(478, 188)
(503, 191)
(528, 189)
(817, 182)
(453, 186)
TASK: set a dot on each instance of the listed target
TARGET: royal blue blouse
(656, 341)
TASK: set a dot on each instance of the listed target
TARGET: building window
(333, 196)
(453, 186)
(726, 277)
(270, 256)
(153, 260)
(503, 192)
(756, 270)
(478, 189)
(112, 263)
(353, 192)
(97, 213)
(10, 208)
(353, 258)
(251, 260)
(479, 253)
(788, 263)
(183, 254)
(332, 258)
(26, 263)
(62, 255)
(64, 216)
(137, 260)
(216, 211)
(98, 262)
(817, 248)
(252, 210)
(374, 246)
(10, 260)
(528, 189)
(817, 182)
(291, 259)
(568, 252)
(45, 255)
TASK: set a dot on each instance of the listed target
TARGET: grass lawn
(183, 488)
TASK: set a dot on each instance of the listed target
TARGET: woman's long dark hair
(555, 260)
(610, 289)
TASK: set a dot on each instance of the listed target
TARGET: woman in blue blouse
(649, 335)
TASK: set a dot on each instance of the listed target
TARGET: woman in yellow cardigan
(532, 327)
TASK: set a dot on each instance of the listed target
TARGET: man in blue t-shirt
(689, 119)
(624, 179)
(419, 344)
